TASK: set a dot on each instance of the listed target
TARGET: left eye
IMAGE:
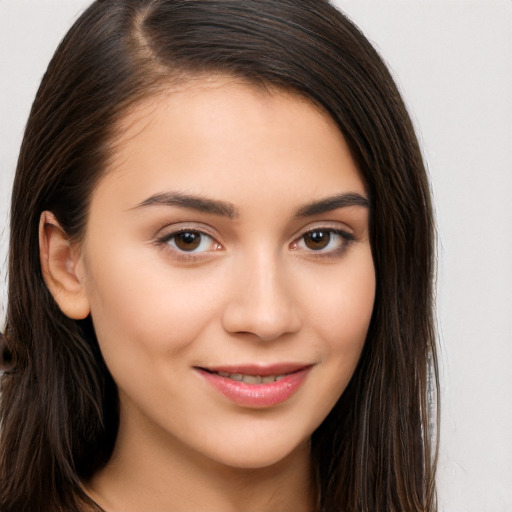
(191, 241)
(322, 240)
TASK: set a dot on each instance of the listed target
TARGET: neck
(148, 472)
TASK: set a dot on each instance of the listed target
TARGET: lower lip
(257, 395)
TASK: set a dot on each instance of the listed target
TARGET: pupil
(317, 240)
(188, 241)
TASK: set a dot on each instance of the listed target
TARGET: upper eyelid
(341, 232)
(162, 241)
(167, 231)
(335, 226)
(180, 227)
(326, 254)
(166, 234)
(175, 229)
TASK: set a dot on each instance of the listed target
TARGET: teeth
(251, 379)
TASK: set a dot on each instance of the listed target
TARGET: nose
(262, 301)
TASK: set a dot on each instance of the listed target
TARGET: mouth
(249, 379)
(256, 374)
(257, 386)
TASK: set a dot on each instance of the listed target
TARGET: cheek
(145, 309)
(342, 317)
(346, 324)
(344, 308)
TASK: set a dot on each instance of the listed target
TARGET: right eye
(190, 241)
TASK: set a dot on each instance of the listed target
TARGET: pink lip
(257, 395)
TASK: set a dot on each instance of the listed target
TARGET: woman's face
(228, 270)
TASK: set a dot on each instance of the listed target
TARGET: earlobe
(59, 264)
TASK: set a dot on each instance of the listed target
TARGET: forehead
(208, 134)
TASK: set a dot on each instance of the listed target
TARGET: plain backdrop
(452, 60)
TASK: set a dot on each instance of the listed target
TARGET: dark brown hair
(376, 450)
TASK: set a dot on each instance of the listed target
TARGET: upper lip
(258, 369)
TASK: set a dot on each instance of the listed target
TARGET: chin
(260, 455)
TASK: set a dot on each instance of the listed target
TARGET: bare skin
(230, 233)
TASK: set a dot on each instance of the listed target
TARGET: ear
(60, 265)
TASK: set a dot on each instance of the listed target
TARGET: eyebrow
(332, 203)
(225, 209)
(193, 202)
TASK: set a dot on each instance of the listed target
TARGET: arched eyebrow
(332, 203)
(226, 209)
(193, 202)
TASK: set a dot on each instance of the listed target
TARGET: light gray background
(453, 62)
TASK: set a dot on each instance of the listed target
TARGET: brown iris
(187, 241)
(317, 240)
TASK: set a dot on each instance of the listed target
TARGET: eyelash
(165, 241)
(346, 240)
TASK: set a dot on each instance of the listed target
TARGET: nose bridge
(262, 300)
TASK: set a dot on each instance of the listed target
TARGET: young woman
(221, 263)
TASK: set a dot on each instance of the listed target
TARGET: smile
(251, 379)
(257, 387)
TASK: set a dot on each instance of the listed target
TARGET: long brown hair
(376, 450)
